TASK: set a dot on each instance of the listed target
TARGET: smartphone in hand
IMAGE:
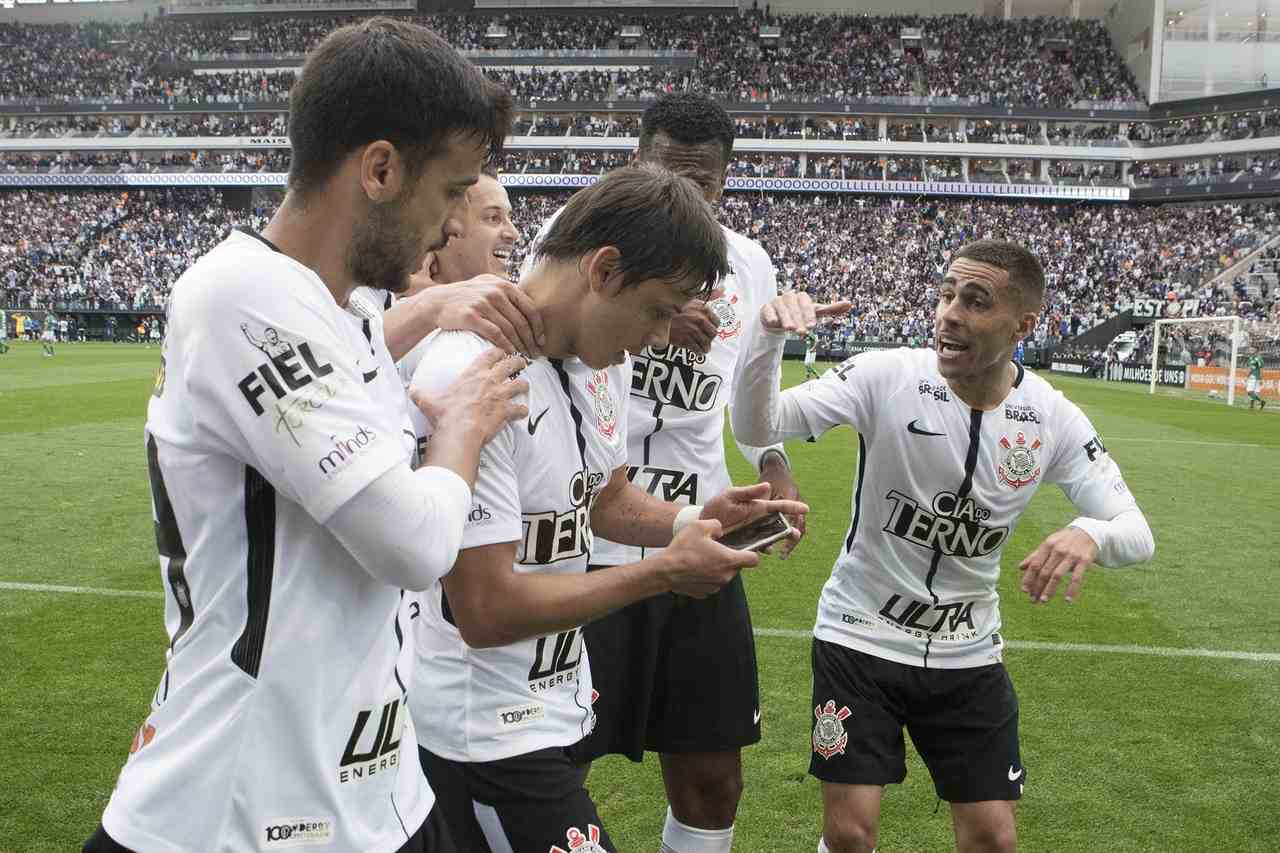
(759, 534)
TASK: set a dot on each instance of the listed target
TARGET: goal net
(1223, 342)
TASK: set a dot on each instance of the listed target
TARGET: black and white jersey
(280, 718)
(676, 406)
(939, 489)
(536, 484)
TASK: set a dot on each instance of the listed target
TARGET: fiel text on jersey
(299, 381)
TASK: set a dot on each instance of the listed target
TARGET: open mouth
(503, 255)
(949, 347)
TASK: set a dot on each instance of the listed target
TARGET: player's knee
(849, 834)
(707, 797)
(991, 838)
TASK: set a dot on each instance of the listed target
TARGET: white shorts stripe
(491, 826)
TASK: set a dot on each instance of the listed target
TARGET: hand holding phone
(759, 534)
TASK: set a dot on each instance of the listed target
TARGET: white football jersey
(939, 489)
(537, 480)
(280, 718)
(676, 408)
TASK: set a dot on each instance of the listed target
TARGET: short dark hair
(384, 78)
(658, 221)
(690, 119)
(1025, 272)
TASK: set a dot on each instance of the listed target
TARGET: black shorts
(963, 722)
(431, 837)
(531, 803)
(673, 674)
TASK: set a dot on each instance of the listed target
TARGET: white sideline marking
(1096, 648)
(81, 590)
(1202, 443)
(789, 633)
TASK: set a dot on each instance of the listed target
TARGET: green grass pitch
(1125, 752)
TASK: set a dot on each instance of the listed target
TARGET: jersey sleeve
(847, 393)
(274, 378)
(761, 286)
(1091, 480)
(495, 512)
(1084, 469)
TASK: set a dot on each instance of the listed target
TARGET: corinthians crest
(606, 409)
(579, 842)
(1020, 465)
(829, 736)
(726, 312)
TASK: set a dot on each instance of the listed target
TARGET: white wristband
(685, 516)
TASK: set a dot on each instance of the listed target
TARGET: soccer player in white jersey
(478, 260)
(953, 441)
(646, 655)
(4, 332)
(504, 682)
(280, 449)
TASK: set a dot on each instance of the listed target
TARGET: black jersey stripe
(260, 528)
(573, 411)
(1017, 380)
(582, 454)
(170, 545)
(399, 646)
(657, 427)
(970, 463)
(857, 494)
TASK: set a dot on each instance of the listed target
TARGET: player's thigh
(455, 806)
(432, 837)
(964, 724)
(986, 826)
(857, 725)
(850, 816)
(707, 695)
(624, 648)
(536, 802)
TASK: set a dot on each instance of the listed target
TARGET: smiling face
(487, 239)
(979, 319)
(396, 235)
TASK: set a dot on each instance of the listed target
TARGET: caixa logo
(372, 751)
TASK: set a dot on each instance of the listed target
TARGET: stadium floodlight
(1235, 335)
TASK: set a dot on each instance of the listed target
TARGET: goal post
(1230, 325)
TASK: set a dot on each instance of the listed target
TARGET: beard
(384, 252)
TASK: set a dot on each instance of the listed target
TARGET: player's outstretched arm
(493, 605)
(762, 414)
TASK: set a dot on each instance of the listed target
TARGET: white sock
(678, 838)
(823, 848)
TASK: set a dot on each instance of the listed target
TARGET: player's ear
(1027, 325)
(382, 171)
(603, 267)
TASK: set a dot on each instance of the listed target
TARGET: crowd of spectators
(107, 249)
(132, 162)
(1031, 61)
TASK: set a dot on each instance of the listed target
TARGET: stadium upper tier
(106, 250)
(1043, 62)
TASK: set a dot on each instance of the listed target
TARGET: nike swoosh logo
(370, 376)
(911, 427)
(533, 422)
(756, 717)
(1014, 777)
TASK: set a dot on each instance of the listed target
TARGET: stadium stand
(818, 57)
(97, 249)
